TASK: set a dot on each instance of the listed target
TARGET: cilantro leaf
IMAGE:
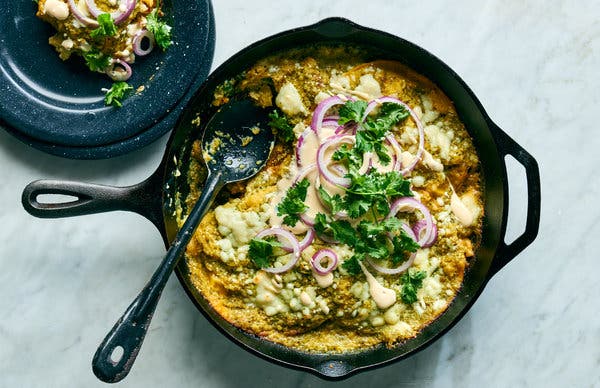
(403, 244)
(96, 60)
(335, 203)
(282, 127)
(321, 226)
(389, 115)
(261, 251)
(160, 29)
(352, 266)
(411, 283)
(374, 190)
(118, 91)
(352, 111)
(293, 204)
(106, 27)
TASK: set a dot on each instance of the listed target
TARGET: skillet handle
(507, 252)
(143, 198)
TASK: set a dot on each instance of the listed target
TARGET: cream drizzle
(383, 297)
(323, 281)
(460, 210)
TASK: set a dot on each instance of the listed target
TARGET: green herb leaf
(117, 93)
(106, 27)
(389, 115)
(96, 60)
(403, 246)
(282, 127)
(160, 29)
(293, 204)
(352, 265)
(261, 251)
(335, 203)
(352, 111)
(412, 281)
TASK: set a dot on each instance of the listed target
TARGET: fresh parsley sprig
(292, 205)
(106, 27)
(96, 60)
(117, 93)
(412, 281)
(160, 29)
(261, 251)
(281, 127)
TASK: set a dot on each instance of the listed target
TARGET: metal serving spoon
(236, 144)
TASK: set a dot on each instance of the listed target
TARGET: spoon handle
(117, 352)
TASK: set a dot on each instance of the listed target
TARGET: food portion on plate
(108, 34)
(360, 228)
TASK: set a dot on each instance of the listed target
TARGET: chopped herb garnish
(281, 127)
(403, 245)
(352, 111)
(261, 251)
(292, 206)
(160, 29)
(106, 27)
(117, 93)
(412, 281)
(96, 60)
(377, 236)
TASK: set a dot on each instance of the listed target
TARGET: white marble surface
(535, 66)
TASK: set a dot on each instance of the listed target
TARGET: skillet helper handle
(143, 198)
(117, 352)
(507, 252)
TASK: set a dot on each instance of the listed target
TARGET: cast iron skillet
(154, 198)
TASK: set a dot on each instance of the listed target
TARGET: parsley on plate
(117, 93)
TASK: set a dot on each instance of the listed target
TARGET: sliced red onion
(419, 229)
(415, 118)
(119, 75)
(410, 204)
(321, 111)
(86, 21)
(139, 38)
(393, 271)
(330, 121)
(118, 16)
(367, 163)
(306, 241)
(317, 261)
(323, 162)
(291, 242)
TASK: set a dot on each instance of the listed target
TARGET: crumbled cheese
(421, 257)
(57, 9)
(377, 321)
(227, 251)
(290, 101)
(266, 295)
(239, 227)
(418, 181)
(369, 86)
(339, 81)
(67, 44)
(438, 139)
(320, 97)
(431, 288)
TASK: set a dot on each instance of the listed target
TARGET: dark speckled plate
(58, 106)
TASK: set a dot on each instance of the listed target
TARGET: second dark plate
(58, 106)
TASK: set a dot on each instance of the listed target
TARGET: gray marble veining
(535, 66)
